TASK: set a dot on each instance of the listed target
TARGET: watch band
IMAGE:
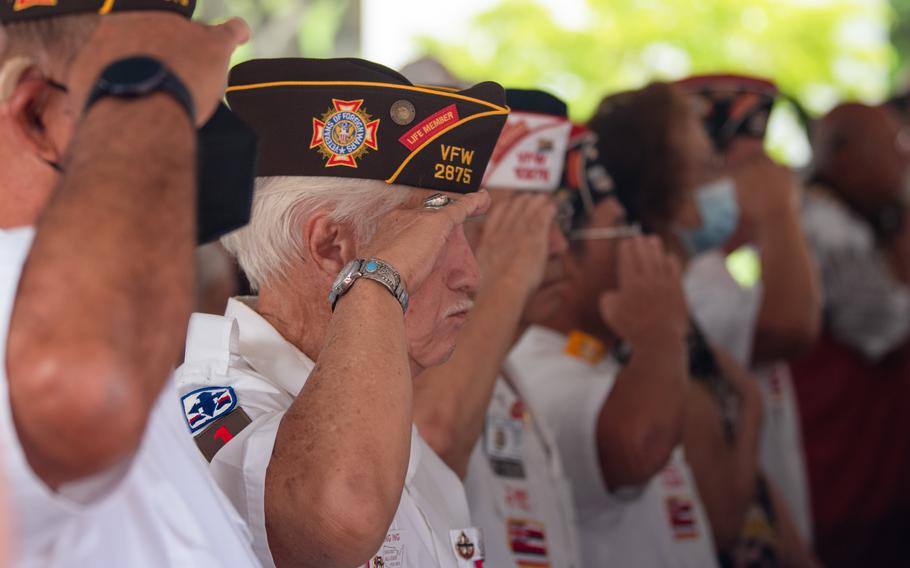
(385, 274)
(137, 77)
(371, 269)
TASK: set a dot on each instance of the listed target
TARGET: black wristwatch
(136, 77)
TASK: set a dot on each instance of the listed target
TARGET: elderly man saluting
(317, 465)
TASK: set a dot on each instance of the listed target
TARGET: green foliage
(289, 28)
(900, 33)
(809, 48)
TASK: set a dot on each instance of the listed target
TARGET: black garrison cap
(357, 119)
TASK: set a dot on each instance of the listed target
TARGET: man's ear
(25, 105)
(330, 244)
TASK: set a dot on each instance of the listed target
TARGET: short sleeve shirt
(238, 365)
(160, 508)
(661, 525)
(517, 490)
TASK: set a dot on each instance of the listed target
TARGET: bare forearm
(642, 419)
(723, 487)
(725, 471)
(342, 448)
(104, 296)
(790, 314)
(450, 401)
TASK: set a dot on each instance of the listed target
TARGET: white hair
(268, 246)
(51, 43)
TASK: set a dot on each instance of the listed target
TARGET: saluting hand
(411, 238)
(513, 249)
(649, 301)
(198, 54)
(766, 191)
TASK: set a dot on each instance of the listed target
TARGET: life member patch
(203, 406)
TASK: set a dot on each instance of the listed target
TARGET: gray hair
(268, 246)
(52, 43)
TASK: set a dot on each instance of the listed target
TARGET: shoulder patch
(221, 431)
(203, 406)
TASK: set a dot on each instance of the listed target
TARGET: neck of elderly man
(303, 232)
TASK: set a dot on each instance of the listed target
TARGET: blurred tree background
(818, 52)
(900, 37)
(287, 28)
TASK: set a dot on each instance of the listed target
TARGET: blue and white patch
(203, 406)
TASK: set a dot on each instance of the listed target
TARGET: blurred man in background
(512, 467)
(608, 375)
(666, 173)
(764, 323)
(854, 387)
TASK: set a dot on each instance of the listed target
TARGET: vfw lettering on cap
(530, 153)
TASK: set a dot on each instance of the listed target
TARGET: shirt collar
(266, 350)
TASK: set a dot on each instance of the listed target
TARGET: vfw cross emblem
(345, 133)
(203, 406)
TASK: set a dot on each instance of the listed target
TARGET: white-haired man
(317, 465)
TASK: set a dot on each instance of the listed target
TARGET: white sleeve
(568, 395)
(40, 512)
(239, 467)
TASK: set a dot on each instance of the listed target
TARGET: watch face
(136, 75)
(346, 276)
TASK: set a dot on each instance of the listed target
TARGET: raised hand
(514, 245)
(649, 300)
(411, 238)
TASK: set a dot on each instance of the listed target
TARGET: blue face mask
(719, 212)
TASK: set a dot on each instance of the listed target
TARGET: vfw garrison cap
(356, 119)
(586, 181)
(531, 150)
(732, 105)
(23, 10)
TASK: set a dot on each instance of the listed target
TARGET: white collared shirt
(518, 493)
(663, 524)
(727, 314)
(160, 508)
(240, 356)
